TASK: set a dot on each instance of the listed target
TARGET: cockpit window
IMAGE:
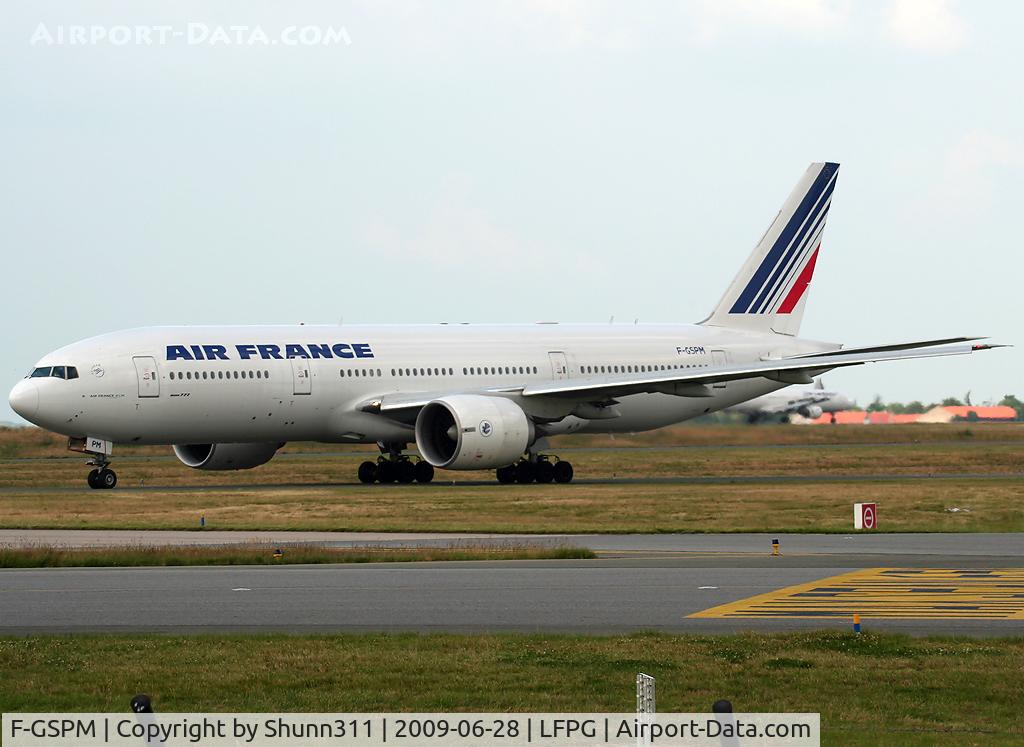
(56, 372)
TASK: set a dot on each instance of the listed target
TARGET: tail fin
(770, 292)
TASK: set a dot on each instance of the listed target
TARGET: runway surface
(640, 582)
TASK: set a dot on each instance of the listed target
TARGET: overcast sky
(511, 161)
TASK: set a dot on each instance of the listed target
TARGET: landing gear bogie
(393, 466)
(540, 470)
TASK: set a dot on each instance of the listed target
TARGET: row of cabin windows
(56, 372)
(350, 372)
(492, 370)
(639, 369)
(422, 371)
(180, 375)
(466, 371)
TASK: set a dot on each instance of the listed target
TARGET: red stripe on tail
(797, 291)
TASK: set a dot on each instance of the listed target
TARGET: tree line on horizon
(916, 407)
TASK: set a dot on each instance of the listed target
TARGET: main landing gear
(541, 469)
(394, 466)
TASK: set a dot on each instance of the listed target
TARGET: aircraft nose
(24, 399)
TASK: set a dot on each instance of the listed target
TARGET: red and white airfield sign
(865, 515)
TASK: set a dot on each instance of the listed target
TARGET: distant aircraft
(471, 397)
(810, 402)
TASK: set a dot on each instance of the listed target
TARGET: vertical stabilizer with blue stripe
(770, 292)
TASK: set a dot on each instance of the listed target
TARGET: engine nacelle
(225, 456)
(810, 411)
(472, 431)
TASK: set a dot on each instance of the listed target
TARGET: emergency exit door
(149, 377)
(301, 381)
(559, 366)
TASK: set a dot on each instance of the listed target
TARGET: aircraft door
(719, 358)
(148, 375)
(559, 365)
(301, 381)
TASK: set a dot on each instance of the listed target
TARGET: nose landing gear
(103, 478)
(98, 450)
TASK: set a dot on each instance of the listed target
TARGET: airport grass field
(253, 554)
(870, 689)
(729, 479)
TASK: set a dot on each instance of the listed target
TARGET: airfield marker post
(775, 548)
(646, 707)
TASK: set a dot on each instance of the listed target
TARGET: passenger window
(251, 375)
(259, 374)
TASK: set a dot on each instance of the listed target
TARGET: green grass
(51, 557)
(299, 490)
(905, 505)
(871, 689)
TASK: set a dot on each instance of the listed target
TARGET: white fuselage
(182, 385)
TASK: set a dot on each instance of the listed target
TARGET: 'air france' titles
(269, 352)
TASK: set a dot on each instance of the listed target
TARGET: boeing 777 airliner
(470, 397)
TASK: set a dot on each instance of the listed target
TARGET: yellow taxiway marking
(995, 593)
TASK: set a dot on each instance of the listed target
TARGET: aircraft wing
(798, 369)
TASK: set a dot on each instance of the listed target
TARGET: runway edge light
(775, 548)
(865, 515)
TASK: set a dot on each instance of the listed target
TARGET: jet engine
(810, 411)
(472, 431)
(225, 456)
